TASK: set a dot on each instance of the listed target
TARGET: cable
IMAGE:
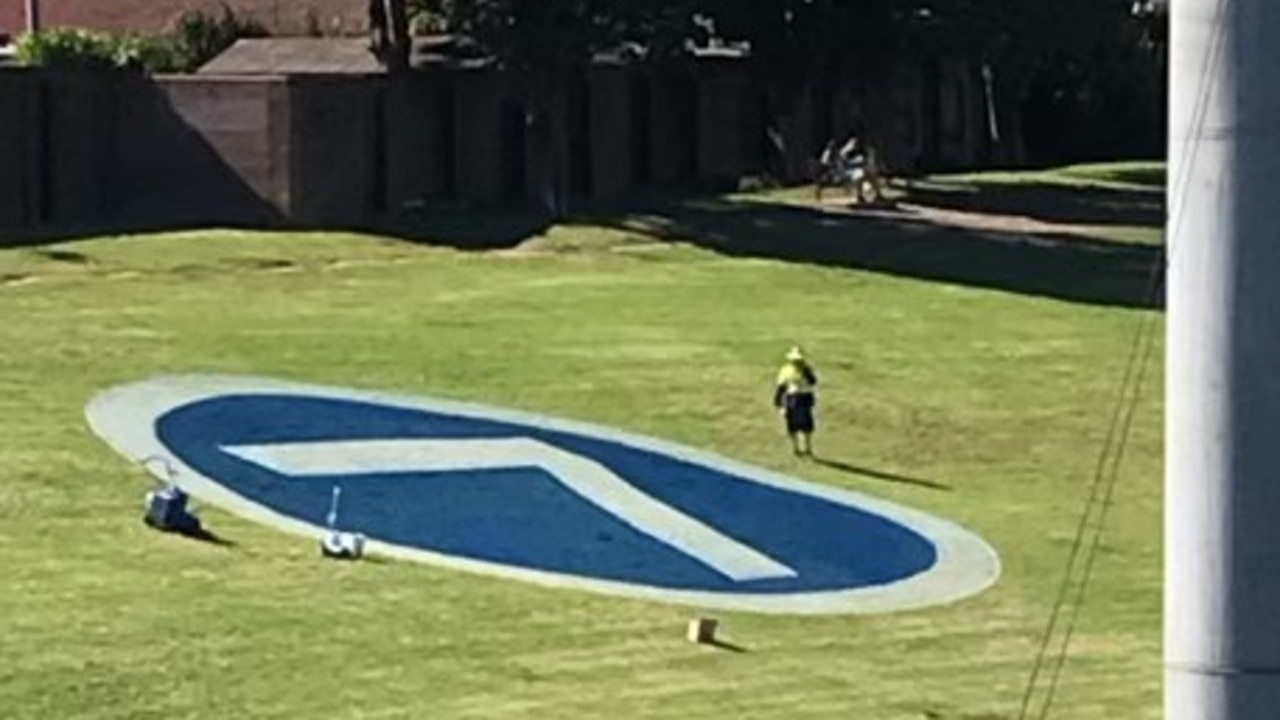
(1102, 484)
(1117, 457)
(1108, 467)
(1191, 148)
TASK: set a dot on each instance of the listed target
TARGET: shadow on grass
(63, 256)
(725, 645)
(1153, 175)
(1055, 265)
(198, 534)
(1047, 202)
(880, 475)
(463, 229)
(64, 233)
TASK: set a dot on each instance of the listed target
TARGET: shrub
(80, 49)
(67, 48)
(198, 39)
(146, 53)
(202, 36)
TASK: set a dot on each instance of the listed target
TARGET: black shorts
(799, 412)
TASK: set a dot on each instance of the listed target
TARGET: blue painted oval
(524, 517)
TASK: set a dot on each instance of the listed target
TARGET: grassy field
(984, 364)
(1137, 175)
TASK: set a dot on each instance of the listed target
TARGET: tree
(1020, 41)
(202, 36)
(389, 28)
(795, 47)
(799, 46)
(546, 45)
(543, 44)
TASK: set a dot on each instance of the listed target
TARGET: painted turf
(539, 499)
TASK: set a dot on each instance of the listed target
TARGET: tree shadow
(1047, 202)
(1055, 265)
(880, 475)
(1151, 175)
(64, 256)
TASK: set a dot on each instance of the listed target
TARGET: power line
(1107, 470)
(1101, 492)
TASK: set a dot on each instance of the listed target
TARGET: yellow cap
(795, 354)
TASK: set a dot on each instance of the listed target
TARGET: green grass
(1001, 396)
(1116, 202)
(1119, 202)
(1135, 175)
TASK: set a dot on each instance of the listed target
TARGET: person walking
(794, 398)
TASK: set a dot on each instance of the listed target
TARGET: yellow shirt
(796, 378)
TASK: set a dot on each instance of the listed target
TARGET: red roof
(281, 17)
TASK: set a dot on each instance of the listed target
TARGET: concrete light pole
(1222, 514)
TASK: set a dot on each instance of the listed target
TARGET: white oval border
(125, 417)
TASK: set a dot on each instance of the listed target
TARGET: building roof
(281, 17)
(295, 56)
(332, 56)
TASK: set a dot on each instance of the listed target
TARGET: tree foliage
(792, 41)
(545, 45)
(80, 49)
(537, 40)
(856, 45)
(199, 37)
(202, 36)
